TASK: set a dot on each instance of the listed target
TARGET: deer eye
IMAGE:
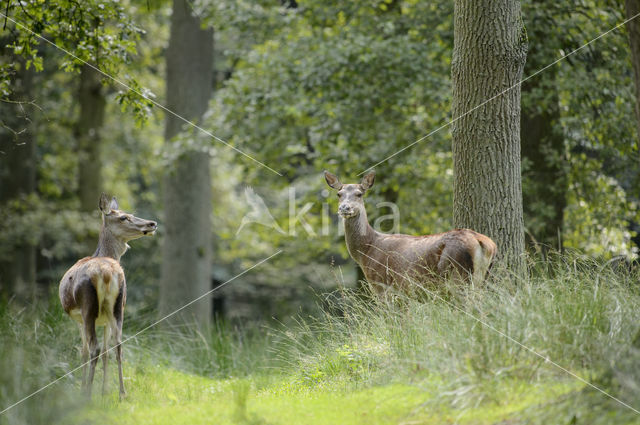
(123, 218)
(359, 195)
(339, 195)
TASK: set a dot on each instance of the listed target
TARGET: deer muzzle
(346, 211)
(150, 228)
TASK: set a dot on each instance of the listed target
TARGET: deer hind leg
(93, 348)
(455, 267)
(118, 315)
(481, 264)
(89, 300)
(105, 356)
(85, 356)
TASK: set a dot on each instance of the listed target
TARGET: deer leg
(85, 356)
(118, 314)
(94, 351)
(89, 301)
(105, 356)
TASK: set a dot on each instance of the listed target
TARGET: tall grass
(36, 347)
(581, 314)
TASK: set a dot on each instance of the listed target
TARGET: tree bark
(18, 180)
(488, 57)
(87, 132)
(187, 246)
(633, 27)
(632, 8)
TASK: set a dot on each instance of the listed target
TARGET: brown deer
(389, 260)
(93, 291)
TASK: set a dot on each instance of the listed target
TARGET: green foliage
(604, 231)
(342, 86)
(347, 86)
(100, 33)
(594, 91)
(57, 232)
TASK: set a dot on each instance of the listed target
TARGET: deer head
(350, 195)
(123, 226)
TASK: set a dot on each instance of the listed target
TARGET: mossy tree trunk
(187, 245)
(88, 136)
(633, 28)
(488, 57)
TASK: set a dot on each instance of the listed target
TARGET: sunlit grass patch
(164, 396)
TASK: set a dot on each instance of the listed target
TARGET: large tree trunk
(186, 254)
(18, 180)
(633, 27)
(488, 57)
(545, 181)
(87, 133)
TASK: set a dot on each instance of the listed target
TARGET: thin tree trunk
(17, 181)
(488, 57)
(88, 137)
(633, 27)
(186, 254)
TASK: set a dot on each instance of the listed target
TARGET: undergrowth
(503, 344)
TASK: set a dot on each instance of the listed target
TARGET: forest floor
(503, 354)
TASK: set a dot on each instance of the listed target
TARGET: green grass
(185, 398)
(363, 361)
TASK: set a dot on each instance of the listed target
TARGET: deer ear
(103, 204)
(332, 180)
(368, 179)
(114, 204)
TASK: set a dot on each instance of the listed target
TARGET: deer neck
(359, 235)
(110, 246)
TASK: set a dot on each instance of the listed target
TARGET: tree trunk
(488, 57)
(545, 182)
(87, 133)
(17, 181)
(633, 27)
(186, 253)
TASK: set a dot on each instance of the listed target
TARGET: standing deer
(396, 259)
(93, 291)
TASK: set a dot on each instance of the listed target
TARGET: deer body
(397, 259)
(93, 291)
(104, 275)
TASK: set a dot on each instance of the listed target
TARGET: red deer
(93, 291)
(389, 260)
